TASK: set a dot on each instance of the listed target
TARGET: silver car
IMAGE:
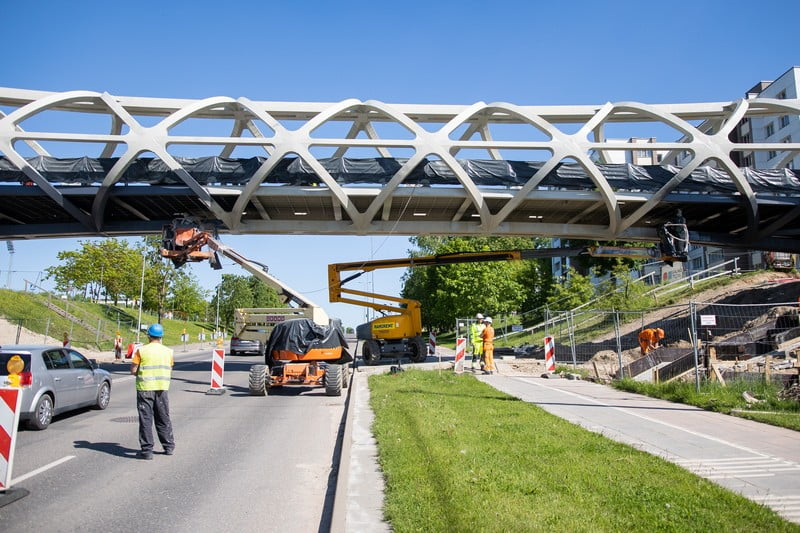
(239, 346)
(61, 379)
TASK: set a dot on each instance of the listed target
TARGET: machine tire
(42, 413)
(103, 396)
(418, 349)
(345, 375)
(333, 380)
(258, 380)
(371, 352)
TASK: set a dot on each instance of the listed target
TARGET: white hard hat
(488, 319)
(479, 316)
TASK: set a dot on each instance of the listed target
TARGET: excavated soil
(764, 288)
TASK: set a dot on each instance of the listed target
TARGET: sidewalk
(758, 461)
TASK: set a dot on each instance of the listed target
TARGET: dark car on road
(61, 379)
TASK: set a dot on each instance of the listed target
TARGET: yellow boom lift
(399, 333)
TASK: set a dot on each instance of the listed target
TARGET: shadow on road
(111, 448)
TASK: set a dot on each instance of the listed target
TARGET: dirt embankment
(763, 288)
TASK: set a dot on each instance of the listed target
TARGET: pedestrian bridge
(83, 163)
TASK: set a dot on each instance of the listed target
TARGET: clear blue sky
(527, 53)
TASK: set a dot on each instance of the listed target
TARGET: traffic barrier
(431, 343)
(549, 354)
(217, 371)
(10, 400)
(461, 355)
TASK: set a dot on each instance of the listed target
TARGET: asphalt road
(242, 463)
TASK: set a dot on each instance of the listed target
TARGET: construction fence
(728, 331)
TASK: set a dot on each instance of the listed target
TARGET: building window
(781, 95)
(770, 129)
(787, 139)
(643, 153)
(784, 121)
(771, 154)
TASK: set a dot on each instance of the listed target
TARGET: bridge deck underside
(715, 212)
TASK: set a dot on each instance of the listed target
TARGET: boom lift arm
(184, 239)
(401, 333)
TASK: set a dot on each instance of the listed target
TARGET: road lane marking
(120, 380)
(32, 473)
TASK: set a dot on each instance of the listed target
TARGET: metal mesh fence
(736, 332)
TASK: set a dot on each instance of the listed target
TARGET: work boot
(147, 456)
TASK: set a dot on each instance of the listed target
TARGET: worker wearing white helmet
(488, 346)
(475, 330)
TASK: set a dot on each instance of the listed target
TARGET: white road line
(655, 421)
(32, 473)
(120, 380)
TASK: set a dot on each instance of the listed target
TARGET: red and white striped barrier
(217, 371)
(10, 400)
(431, 343)
(461, 354)
(549, 354)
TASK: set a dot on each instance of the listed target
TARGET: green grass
(32, 311)
(728, 399)
(458, 455)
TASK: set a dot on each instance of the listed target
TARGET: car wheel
(258, 380)
(103, 396)
(42, 413)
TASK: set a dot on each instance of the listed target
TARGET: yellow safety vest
(475, 332)
(155, 367)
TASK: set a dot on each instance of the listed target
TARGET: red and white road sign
(217, 370)
(10, 400)
(431, 343)
(549, 354)
(461, 352)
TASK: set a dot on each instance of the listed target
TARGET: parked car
(239, 346)
(61, 379)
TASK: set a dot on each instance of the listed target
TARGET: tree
(461, 290)
(263, 295)
(575, 291)
(186, 295)
(99, 266)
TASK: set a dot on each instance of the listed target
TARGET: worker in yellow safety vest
(152, 366)
(475, 330)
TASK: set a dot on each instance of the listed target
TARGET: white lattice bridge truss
(88, 163)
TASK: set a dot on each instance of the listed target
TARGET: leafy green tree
(458, 290)
(576, 290)
(263, 295)
(97, 267)
(186, 295)
(233, 292)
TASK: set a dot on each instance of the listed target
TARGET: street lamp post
(141, 295)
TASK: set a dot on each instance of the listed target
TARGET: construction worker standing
(475, 330)
(649, 339)
(488, 346)
(152, 366)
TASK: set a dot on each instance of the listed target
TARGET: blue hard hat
(155, 330)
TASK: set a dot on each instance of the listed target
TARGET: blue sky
(527, 53)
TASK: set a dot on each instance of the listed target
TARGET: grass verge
(459, 455)
(729, 399)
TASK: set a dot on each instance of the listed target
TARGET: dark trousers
(153, 406)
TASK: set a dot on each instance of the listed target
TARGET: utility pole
(141, 295)
(10, 246)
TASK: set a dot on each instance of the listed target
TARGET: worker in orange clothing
(488, 345)
(649, 339)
